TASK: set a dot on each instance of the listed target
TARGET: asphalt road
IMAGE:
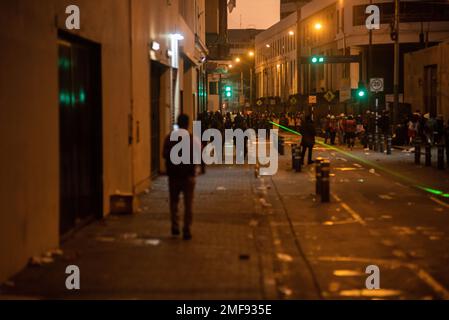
(377, 216)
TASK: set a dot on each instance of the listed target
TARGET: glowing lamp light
(318, 26)
(177, 36)
(155, 46)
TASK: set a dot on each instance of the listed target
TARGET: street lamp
(291, 33)
(237, 60)
(318, 26)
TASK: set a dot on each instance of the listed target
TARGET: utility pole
(396, 57)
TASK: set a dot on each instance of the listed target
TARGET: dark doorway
(430, 90)
(80, 131)
(156, 73)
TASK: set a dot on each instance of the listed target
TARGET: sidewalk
(134, 257)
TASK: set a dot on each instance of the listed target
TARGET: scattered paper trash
(373, 171)
(253, 223)
(284, 257)
(40, 261)
(286, 291)
(127, 236)
(153, 242)
(221, 188)
(264, 202)
(105, 239)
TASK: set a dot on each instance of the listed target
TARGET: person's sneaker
(175, 232)
(187, 235)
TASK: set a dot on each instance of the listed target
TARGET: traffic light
(361, 92)
(317, 59)
(228, 91)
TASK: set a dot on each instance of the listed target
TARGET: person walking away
(181, 179)
(350, 127)
(332, 129)
(308, 133)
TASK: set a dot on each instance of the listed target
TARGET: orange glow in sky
(259, 14)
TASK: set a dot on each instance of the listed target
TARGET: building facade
(98, 104)
(338, 28)
(277, 60)
(426, 85)
(329, 27)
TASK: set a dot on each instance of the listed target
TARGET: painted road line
(420, 273)
(351, 211)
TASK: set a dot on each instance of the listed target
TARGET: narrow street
(267, 238)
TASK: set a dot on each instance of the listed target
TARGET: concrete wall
(414, 77)
(29, 219)
(271, 63)
(29, 105)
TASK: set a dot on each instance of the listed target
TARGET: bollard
(389, 144)
(281, 145)
(440, 156)
(376, 142)
(325, 181)
(296, 158)
(417, 152)
(428, 155)
(370, 141)
(318, 175)
(382, 143)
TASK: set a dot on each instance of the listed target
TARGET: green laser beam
(285, 128)
(372, 164)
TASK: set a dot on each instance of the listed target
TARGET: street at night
(270, 238)
(225, 158)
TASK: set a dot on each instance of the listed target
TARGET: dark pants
(333, 134)
(306, 147)
(350, 136)
(187, 187)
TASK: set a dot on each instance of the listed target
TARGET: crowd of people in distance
(423, 128)
(338, 129)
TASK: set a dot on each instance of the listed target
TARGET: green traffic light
(314, 59)
(321, 59)
(361, 93)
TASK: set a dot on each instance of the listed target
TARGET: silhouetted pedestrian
(181, 178)
(308, 133)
